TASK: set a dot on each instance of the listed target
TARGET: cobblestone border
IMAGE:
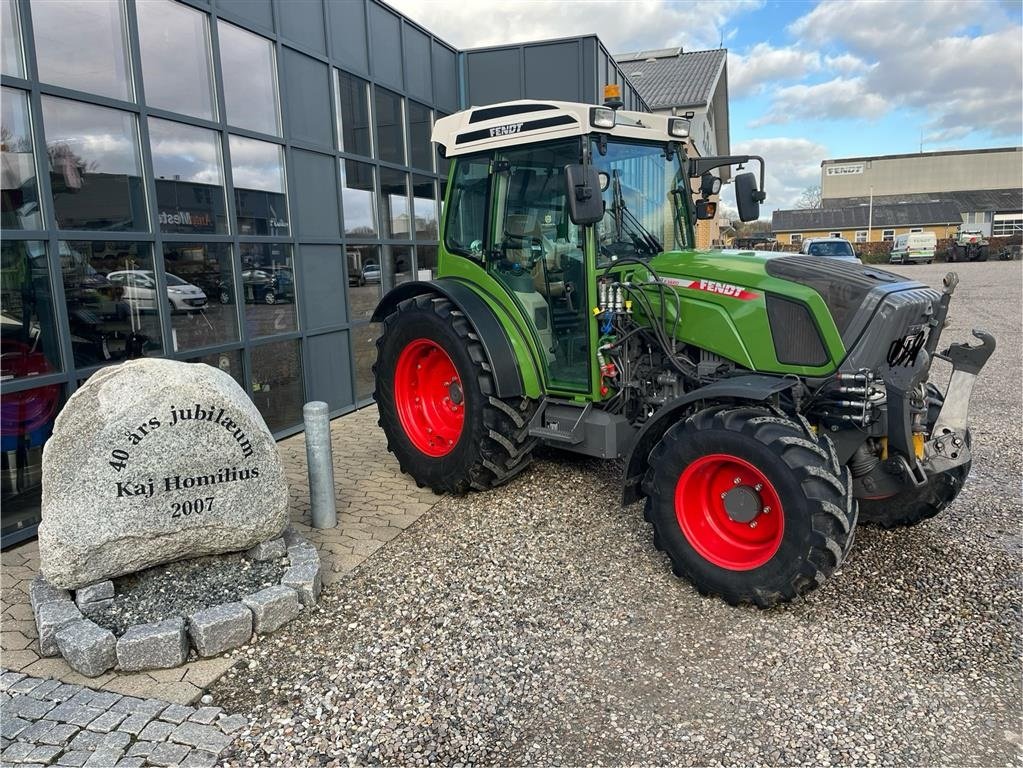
(64, 629)
(45, 721)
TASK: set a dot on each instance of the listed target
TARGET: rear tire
(793, 548)
(484, 445)
(914, 505)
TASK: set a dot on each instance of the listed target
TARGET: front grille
(797, 340)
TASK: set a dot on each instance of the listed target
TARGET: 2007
(186, 508)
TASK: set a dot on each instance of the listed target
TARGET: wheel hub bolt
(723, 495)
(758, 487)
(753, 524)
(767, 510)
(737, 481)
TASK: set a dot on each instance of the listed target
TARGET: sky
(808, 81)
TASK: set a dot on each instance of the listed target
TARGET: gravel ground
(536, 624)
(181, 588)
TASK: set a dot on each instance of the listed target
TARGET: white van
(914, 247)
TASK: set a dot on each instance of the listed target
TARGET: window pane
(112, 300)
(443, 164)
(397, 265)
(390, 130)
(204, 314)
(26, 425)
(426, 261)
(364, 348)
(394, 202)
(250, 82)
(20, 194)
(357, 199)
(257, 168)
(420, 148)
(189, 178)
(363, 280)
(175, 44)
(82, 46)
(230, 362)
(28, 334)
(467, 215)
(95, 170)
(268, 282)
(353, 120)
(424, 200)
(277, 388)
(10, 28)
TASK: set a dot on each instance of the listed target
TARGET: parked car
(830, 248)
(140, 290)
(913, 247)
(267, 286)
(370, 272)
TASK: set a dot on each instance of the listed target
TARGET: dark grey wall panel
(305, 89)
(385, 45)
(330, 378)
(552, 72)
(590, 82)
(257, 12)
(445, 77)
(323, 283)
(494, 76)
(348, 35)
(418, 75)
(302, 22)
(313, 185)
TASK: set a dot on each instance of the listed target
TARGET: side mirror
(705, 209)
(747, 196)
(582, 190)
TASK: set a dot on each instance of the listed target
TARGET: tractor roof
(522, 122)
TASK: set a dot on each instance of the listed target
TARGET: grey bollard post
(320, 458)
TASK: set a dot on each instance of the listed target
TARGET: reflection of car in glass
(266, 286)
(370, 272)
(140, 290)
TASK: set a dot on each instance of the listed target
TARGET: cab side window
(465, 229)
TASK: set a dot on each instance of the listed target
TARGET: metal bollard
(320, 459)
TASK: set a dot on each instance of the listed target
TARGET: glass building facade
(233, 182)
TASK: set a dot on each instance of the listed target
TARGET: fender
(481, 317)
(753, 388)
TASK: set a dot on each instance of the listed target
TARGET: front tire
(749, 504)
(438, 404)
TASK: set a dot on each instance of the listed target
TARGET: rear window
(837, 249)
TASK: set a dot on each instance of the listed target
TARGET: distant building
(674, 82)
(927, 191)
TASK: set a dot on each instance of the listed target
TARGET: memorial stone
(153, 461)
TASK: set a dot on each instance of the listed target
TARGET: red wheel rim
(429, 398)
(729, 512)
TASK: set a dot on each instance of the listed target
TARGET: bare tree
(811, 198)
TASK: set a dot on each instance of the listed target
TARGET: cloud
(840, 98)
(792, 165)
(748, 73)
(624, 27)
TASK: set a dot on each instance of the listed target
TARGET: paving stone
(205, 715)
(232, 723)
(44, 754)
(41, 592)
(11, 725)
(44, 688)
(59, 733)
(75, 759)
(75, 714)
(7, 679)
(18, 752)
(130, 762)
(85, 741)
(304, 579)
(29, 708)
(107, 722)
(167, 754)
(141, 748)
(53, 617)
(199, 758)
(175, 713)
(104, 699)
(64, 692)
(156, 731)
(114, 740)
(272, 607)
(104, 757)
(134, 724)
(301, 551)
(24, 685)
(35, 732)
(160, 645)
(87, 647)
(268, 550)
(135, 706)
(95, 596)
(201, 737)
(220, 628)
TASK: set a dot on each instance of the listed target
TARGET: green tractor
(759, 402)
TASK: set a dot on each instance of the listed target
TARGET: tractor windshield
(638, 182)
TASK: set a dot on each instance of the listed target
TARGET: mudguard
(753, 388)
(481, 317)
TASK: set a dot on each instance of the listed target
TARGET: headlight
(602, 117)
(678, 127)
(173, 290)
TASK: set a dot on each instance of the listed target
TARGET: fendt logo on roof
(506, 130)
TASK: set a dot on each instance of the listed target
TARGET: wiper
(624, 215)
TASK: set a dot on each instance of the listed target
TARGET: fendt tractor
(759, 402)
